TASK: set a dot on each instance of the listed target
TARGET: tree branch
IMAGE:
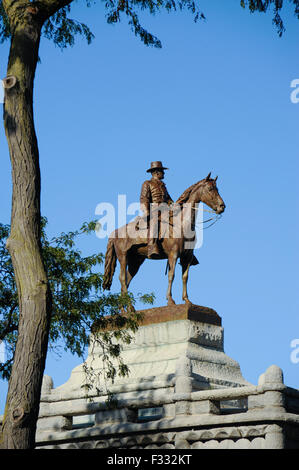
(50, 7)
(43, 9)
(10, 6)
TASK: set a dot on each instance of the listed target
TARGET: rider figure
(154, 191)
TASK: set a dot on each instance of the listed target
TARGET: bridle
(215, 218)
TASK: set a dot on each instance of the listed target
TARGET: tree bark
(22, 403)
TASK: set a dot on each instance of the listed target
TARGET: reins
(215, 218)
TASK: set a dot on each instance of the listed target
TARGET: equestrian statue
(166, 230)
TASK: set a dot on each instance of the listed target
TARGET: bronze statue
(154, 191)
(129, 244)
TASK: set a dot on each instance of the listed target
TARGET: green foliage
(277, 5)
(130, 8)
(59, 28)
(62, 30)
(4, 25)
(79, 305)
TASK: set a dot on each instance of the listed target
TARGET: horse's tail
(110, 263)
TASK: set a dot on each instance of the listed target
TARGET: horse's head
(207, 192)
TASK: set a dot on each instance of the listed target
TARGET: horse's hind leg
(123, 277)
(172, 259)
(185, 272)
(123, 273)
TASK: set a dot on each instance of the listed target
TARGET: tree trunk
(22, 403)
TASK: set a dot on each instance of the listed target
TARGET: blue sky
(215, 98)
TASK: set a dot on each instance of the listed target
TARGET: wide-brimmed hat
(156, 166)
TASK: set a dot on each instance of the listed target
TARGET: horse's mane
(186, 194)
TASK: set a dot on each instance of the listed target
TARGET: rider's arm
(145, 198)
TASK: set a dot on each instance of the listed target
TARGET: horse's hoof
(171, 302)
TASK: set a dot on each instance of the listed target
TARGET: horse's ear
(215, 179)
(208, 177)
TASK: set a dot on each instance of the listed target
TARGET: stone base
(178, 347)
(181, 312)
(266, 417)
(183, 392)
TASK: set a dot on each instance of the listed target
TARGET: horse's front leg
(185, 273)
(172, 259)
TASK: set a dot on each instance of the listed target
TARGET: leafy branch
(79, 304)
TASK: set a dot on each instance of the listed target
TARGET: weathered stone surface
(206, 406)
(55, 423)
(47, 384)
(196, 313)
(112, 416)
(181, 346)
(275, 438)
(178, 367)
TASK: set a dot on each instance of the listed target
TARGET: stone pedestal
(183, 392)
(178, 347)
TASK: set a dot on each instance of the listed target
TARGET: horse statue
(128, 244)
